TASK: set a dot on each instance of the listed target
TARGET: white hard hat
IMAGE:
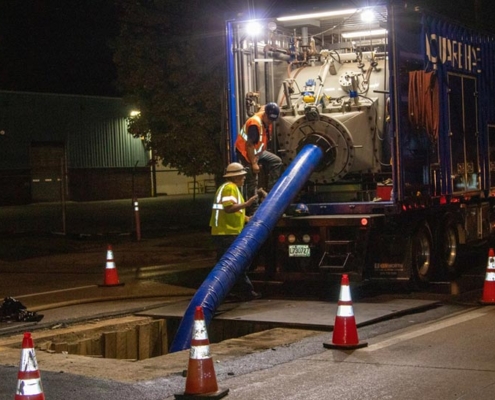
(234, 169)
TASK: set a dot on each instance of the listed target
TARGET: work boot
(252, 295)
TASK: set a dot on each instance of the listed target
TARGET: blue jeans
(271, 165)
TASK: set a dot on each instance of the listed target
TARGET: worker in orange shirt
(251, 149)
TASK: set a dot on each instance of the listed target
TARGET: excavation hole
(127, 338)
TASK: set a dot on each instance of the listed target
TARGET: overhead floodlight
(253, 28)
(367, 16)
(373, 32)
(318, 15)
(134, 113)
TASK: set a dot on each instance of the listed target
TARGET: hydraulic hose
(240, 254)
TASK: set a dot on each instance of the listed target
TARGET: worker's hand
(256, 168)
(251, 200)
(261, 193)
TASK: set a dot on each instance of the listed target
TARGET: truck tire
(448, 249)
(421, 256)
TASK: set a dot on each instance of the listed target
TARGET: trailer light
(281, 238)
(364, 221)
(306, 238)
(291, 238)
(316, 238)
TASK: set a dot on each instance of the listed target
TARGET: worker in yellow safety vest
(251, 150)
(227, 221)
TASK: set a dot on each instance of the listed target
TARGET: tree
(171, 66)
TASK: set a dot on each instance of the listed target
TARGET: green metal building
(70, 147)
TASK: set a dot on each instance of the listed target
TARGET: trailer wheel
(421, 247)
(448, 249)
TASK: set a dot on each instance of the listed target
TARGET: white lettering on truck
(457, 54)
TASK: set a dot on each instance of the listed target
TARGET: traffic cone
(28, 379)
(111, 276)
(345, 334)
(201, 381)
(489, 286)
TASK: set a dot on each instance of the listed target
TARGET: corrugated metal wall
(93, 131)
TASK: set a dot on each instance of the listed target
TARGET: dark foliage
(171, 66)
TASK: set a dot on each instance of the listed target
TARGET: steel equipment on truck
(402, 103)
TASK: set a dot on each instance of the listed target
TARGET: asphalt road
(48, 229)
(444, 352)
(156, 214)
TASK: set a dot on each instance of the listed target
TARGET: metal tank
(327, 85)
(344, 102)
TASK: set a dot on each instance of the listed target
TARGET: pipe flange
(329, 152)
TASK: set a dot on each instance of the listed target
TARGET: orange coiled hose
(423, 101)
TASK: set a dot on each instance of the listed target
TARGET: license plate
(299, 250)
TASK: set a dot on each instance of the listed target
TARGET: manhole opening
(126, 339)
(131, 338)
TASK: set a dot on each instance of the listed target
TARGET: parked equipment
(387, 150)
(395, 96)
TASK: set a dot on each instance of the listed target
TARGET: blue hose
(240, 254)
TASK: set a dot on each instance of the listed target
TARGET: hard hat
(272, 110)
(234, 169)
(301, 209)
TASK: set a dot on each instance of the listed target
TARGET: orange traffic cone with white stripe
(28, 379)
(345, 334)
(489, 285)
(201, 381)
(111, 276)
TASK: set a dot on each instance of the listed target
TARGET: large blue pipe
(240, 254)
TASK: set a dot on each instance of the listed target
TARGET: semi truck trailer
(402, 103)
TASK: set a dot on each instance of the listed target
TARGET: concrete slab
(296, 313)
(84, 303)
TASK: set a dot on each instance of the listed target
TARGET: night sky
(57, 46)
(62, 46)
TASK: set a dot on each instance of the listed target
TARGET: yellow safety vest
(223, 223)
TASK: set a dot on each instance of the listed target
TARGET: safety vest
(223, 223)
(242, 137)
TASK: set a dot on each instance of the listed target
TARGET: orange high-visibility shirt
(242, 137)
